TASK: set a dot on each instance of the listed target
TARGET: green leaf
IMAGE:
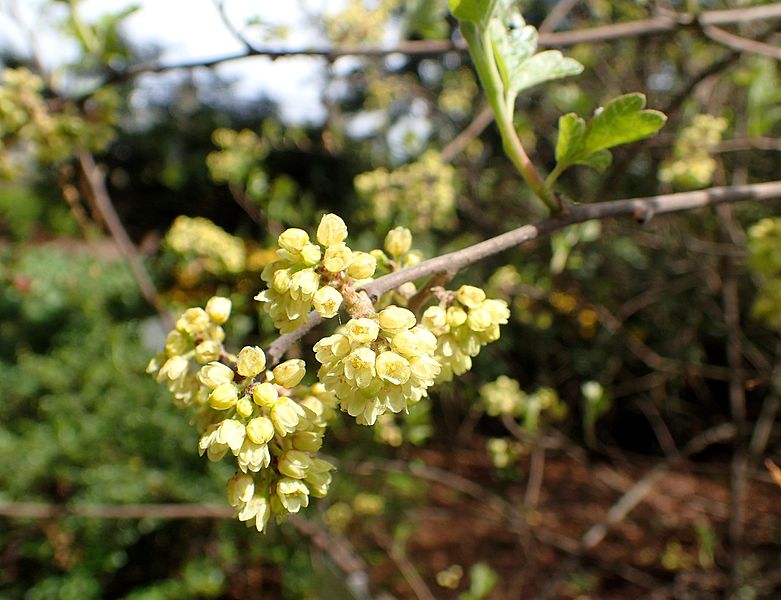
(511, 47)
(623, 120)
(474, 11)
(572, 138)
(542, 67)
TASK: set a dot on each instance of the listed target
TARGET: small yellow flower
(174, 368)
(293, 240)
(398, 241)
(362, 331)
(244, 407)
(208, 351)
(215, 374)
(479, 319)
(293, 494)
(395, 319)
(290, 373)
(337, 257)
(470, 296)
(260, 430)
(193, 321)
(393, 368)
(308, 441)
(304, 284)
(359, 366)
(456, 316)
(251, 361)
(176, 343)
(285, 415)
(224, 396)
(327, 301)
(241, 488)
(310, 254)
(231, 433)
(362, 265)
(331, 230)
(218, 309)
(265, 394)
(294, 464)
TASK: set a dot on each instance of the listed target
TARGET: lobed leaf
(474, 11)
(542, 67)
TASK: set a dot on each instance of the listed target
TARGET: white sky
(189, 30)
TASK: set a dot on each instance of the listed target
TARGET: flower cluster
(378, 364)
(250, 413)
(197, 339)
(692, 165)
(218, 251)
(306, 275)
(504, 397)
(463, 322)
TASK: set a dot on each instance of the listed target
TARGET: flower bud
(434, 318)
(395, 319)
(231, 433)
(244, 407)
(218, 309)
(308, 441)
(327, 301)
(311, 254)
(290, 373)
(337, 257)
(470, 296)
(331, 230)
(362, 265)
(293, 240)
(208, 351)
(251, 361)
(292, 494)
(304, 284)
(193, 321)
(265, 394)
(174, 368)
(215, 374)
(294, 463)
(398, 241)
(285, 415)
(260, 430)
(280, 281)
(223, 397)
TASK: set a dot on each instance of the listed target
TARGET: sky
(190, 30)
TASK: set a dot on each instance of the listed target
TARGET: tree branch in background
(96, 187)
(641, 209)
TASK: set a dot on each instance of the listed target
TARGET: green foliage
(482, 581)
(621, 121)
(474, 11)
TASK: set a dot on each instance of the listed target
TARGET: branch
(96, 187)
(642, 209)
(641, 28)
(741, 44)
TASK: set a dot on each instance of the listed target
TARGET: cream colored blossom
(260, 430)
(208, 351)
(331, 231)
(224, 396)
(290, 373)
(362, 265)
(193, 321)
(293, 240)
(393, 368)
(244, 407)
(231, 433)
(311, 254)
(214, 374)
(285, 415)
(251, 361)
(337, 257)
(359, 366)
(218, 309)
(294, 464)
(265, 394)
(398, 241)
(241, 488)
(293, 494)
(470, 296)
(327, 301)
(362, 331)
(395, 319)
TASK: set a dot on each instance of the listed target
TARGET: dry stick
(475, 128)
(619, 511)
(641, 209)
(737, 398)
(97, 188)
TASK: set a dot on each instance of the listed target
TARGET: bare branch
(96, 187)
(740, 43)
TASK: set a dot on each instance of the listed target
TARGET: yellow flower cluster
(422, 193)
(378, 364)
(304, 275)
(692, 165)
(197, 237)
(504, 397)
(250, 412)
(462, 324)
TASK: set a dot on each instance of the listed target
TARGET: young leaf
(511, 47)
(474, 11)
(623, 120)
(542, 67)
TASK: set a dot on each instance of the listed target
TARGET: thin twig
(557, 14)
(474, 129)
(741, 44)
(642, 209)
(97, 188)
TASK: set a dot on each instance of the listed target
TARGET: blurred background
(152, 152)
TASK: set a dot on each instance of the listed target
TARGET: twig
(741, 44)
(642, 209)
(475, 128)
(737, 399)
(96, 187)
(416, 302)
(557, 14)
(536, 473)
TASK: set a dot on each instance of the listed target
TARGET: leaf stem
(481, 50)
